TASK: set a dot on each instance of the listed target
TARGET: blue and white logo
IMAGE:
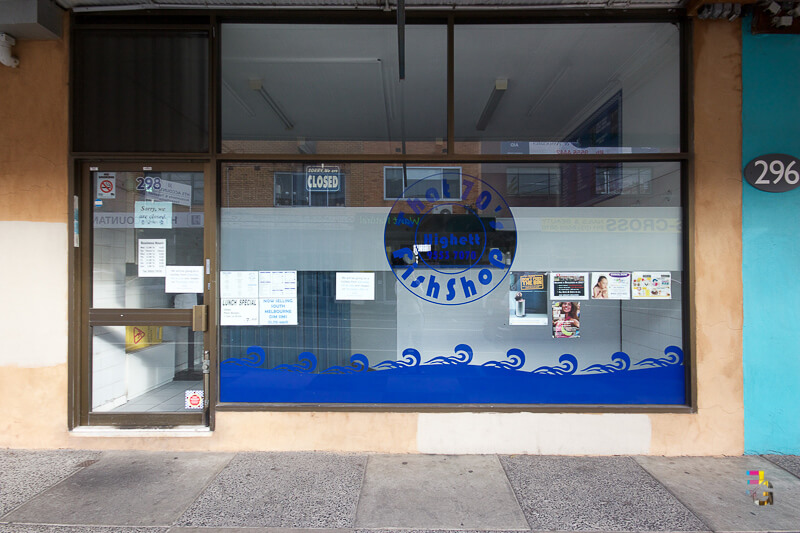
(451, 238)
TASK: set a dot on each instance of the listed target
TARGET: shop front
(460, 232)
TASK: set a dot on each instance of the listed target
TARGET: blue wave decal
(411, 357)
(568, 366)
(360, 364)
(308, 364)
(621, 363)
(463, 357)
(516, 360)
(674, 357)
(255, 357)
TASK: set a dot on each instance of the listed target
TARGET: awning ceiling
(80, 5)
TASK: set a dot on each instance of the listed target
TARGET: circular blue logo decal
(451, 238)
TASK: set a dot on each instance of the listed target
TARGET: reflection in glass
(145, 368)
(567, 88)
(310, 88)
(130, 251)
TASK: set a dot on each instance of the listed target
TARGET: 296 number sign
(773, 172)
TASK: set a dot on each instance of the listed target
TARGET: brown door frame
(83, 317)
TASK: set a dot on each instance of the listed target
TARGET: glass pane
(567, 88)
(486, 283)
(146, 225)
(145, 368)
(140, 91)
(310, 88)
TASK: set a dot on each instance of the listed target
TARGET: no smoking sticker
(194, 399)
(107, 185)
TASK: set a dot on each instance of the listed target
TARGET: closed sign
(323, 179)
(773, 172)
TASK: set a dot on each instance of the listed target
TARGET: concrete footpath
(77, 491)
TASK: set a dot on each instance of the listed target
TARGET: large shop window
(483, 292)
(485, 280)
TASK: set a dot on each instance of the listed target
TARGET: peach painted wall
(33, 239)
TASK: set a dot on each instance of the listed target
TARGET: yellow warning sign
(532, 282)
(138, 337)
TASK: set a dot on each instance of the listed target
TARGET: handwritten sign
(153, 215)
(355, 285)
(184, 279)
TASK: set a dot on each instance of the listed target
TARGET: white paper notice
(277, 291)
(652, 285)
(238, 284)
(153, 215)
(184, 279)
(355, 285)
(277, 284)
(152, 258)
(611, 285)
(278, 312)
(238, 311)
(171, 191)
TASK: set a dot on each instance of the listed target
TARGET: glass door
(145, 296)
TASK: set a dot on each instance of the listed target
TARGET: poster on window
(569, 286)
(566, 320)
(611, 285)
(527, 299)
(652, 285)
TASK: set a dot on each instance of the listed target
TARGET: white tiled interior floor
(168, 398)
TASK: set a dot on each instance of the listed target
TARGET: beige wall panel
(718, 426)
(33, 284)
(33, 137)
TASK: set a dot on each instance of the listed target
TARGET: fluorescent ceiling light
(499, 89)
(259, 88)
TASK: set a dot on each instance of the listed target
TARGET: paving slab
(24, 473)
(288, 490)
(715, 488)
(178, 529)
(437, 492)
(594, 494)
(47, 528)
(125, 489)
(790, 463)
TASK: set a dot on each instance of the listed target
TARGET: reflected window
(533, 181)
(439, 183)
(291, 190)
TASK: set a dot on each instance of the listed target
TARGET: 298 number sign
(773, 172)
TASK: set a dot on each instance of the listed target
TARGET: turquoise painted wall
(771, 247)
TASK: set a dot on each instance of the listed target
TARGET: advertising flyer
(566, 320)
(277, 312)
(527, 299)
(152, 258)
(238, 284)
(569, 286)
(277, 284)
(611, 285)
(277, 292)
(652, 285)
(238, 311)
(355, 285)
